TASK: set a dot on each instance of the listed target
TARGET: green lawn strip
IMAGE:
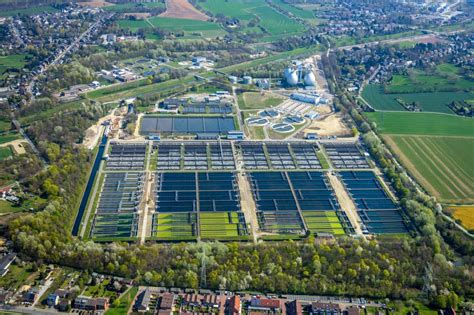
(9, 137)
(5, 125)
(322, 159)
(255, 100)
(16, 61)
(281, 237)
(143, 90)
(412, 123)
(8, 207)
(5, 152)
(124, 302)
(279, 56)
(348, 40)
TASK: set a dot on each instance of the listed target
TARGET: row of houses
(154, 300)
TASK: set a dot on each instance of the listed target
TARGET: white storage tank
(309, 78)
(292, 77)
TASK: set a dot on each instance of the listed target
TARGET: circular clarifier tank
(256, 121)
(283, 128)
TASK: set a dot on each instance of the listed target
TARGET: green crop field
(276, 24)
(208, 29)
(298, 12)
(409, 123)
(133, 25)
(29, 11)
(175, 226)
(429, 102)
(239, 9)
(323, 222)
(189, 27)
(442, 165)
(215, 225)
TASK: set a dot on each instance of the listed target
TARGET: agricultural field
(442, 165)
(463, 213)
(296, 11)
(446, 77)
(437, 150)
(255, 100)
(133, 25)
(29, 11)
(275, 24)
(435, 124)
(429, 102)
(208, 29)
(189, 27)
(11, 62)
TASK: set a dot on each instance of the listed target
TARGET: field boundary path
(346, 203)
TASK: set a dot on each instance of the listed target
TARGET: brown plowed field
(182, 9)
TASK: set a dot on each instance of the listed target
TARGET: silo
(309, 78)
(292, 77)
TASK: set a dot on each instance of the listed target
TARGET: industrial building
(306, 98)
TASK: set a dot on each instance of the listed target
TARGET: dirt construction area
(182, 9)
(331, 125)
(18, 146)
